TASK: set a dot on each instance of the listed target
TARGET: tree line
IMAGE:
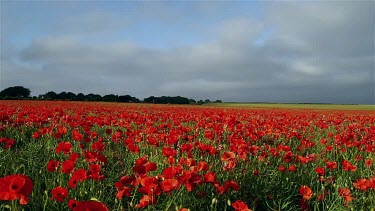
(19, 92)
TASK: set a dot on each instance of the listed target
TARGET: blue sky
(149, 24)
(268, 51)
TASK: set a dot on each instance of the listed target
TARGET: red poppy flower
(16, 186)
(133, 148)
(94, 168)
(368, 163)
(362, 184)
(228, 156)
(145, 201)
(52, 165)
(169, 185)
(281, 168)
(231, 185)
(256, 172)
(186, 147)
(8, 143)
(127, 180)
(74, 157)
(150, 166)
(67, 166)
(168, 151)
(240, 206)
(76, 135)
(320, 171)
(190, 162)
(64, 147)
(169, 172)
(59, 194)
(150, 185)
(347, 166)
(220, 189)
(86, 206)
(202, 166)
(141, 161)
(72, 204)
(122, 190)
(210, 177)
(78, 176)
(98, 146)
(36, 135)
(306, 192)
(331, 165)
(345, 193)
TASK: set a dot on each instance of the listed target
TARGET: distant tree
(110, 98)
(179, 100)
(61, 96)
(80, 97)
(70, 96)
(15, 91)
(161, 100)
(97, 97)
(167, 100)
(125, 98)
(93, 97)
(50, 95)
(218, 101)
(207, 101)
(200, 102)
(128, 99)
(135, 100)
(192, 101)
(150, 99)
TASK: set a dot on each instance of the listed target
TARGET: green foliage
(16, 92)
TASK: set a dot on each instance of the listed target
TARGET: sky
(235, 51)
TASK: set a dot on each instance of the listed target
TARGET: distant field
(299, 106)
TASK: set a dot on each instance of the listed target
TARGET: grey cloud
(320, 52)
(333, 29)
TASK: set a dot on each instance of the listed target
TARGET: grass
(296, 106)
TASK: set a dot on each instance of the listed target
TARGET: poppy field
(110, 156)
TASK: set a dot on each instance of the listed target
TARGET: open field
(57, 155)
(295, 106)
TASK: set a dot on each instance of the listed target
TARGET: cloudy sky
(273, 51)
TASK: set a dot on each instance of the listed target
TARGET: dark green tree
(167, 100)
(127, 99)
(15, 91)
(50, 95)
(135, 100)
(200, 102)
(110, 98)
(61, 96)
(150, 99)
(70, 96)
(93, 97)
(80, 97)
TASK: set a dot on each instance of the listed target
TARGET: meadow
(296, 106)
(115, 156)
